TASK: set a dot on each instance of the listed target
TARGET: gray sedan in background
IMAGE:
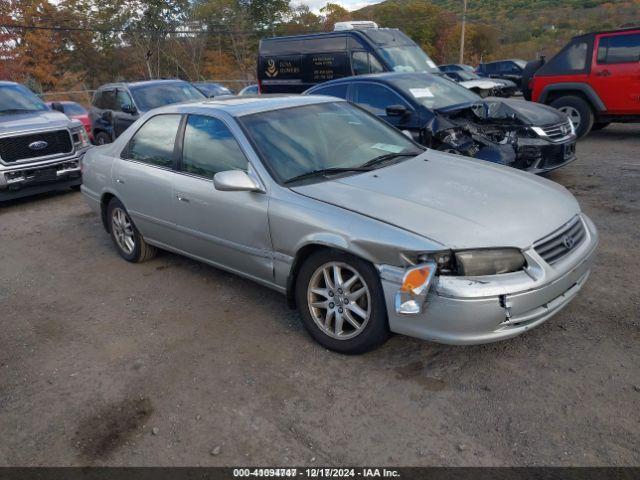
(365, 231)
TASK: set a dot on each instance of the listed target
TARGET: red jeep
(594, 79)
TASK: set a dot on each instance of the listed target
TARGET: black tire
(141, 251)
(75, 188)
(102, 138)
(582, 107)
(600, 125)
(376, 329)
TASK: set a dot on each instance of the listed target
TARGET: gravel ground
(173, 362)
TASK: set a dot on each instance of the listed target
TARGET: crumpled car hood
(457, 201)
(484, 84)
(509, 111)
(34, 121)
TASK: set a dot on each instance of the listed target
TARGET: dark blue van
(296, 63)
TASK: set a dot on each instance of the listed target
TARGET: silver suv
(40, 149)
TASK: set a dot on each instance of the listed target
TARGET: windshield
(407, 58)
(299, 140)
(156, 95)
(16, 99)
(520, 63)
(73, 109)
(435, 91)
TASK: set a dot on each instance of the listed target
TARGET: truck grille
(561, 242)
(14, 149)
(557, 131)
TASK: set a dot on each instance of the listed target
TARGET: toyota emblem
(568, 242)
(38, 145)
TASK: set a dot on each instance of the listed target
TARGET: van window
(364, 62)
(407, 58)
(619, 49)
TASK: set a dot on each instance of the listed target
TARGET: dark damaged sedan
(441, 114)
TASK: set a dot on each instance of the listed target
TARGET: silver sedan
(365, 231)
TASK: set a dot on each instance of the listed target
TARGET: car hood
(485, 84)
(44, 119)
(456, 201)
(508, 112)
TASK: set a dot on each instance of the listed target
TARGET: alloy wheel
(339, 300)
(573, 114)
(123, 230)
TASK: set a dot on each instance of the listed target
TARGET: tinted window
(209, 147)
(339, 91)
(153, 143)
(364, 62)
(571, 59)
(619, 49)
(122, 98)
(510, 67)
(490, 67)
(156, 95)
(73, 109)
(409, 58)
(376, 98)
(108, 100)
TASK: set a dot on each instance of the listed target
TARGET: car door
(143, 178)
(229, 229)
(376, 98)
(615, 74)
(122, 119)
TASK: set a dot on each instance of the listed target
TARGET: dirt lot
(176, 363)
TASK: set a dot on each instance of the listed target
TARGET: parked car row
(359, 199)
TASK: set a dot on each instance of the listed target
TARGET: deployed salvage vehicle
(441, 114)
(40, 148)
(295, 63)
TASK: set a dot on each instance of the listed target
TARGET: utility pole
(464, 21)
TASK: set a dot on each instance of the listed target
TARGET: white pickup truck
(40, 149)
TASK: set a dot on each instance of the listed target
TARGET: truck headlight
(80, 137)
(472, 263)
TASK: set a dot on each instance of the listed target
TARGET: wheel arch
(104, 203)
(302, 254)
(582, 90)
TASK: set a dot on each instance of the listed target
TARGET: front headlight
(472, 263)
(80, 137)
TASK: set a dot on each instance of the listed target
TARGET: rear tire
(578, 111)
(348, 315)
(126, 237)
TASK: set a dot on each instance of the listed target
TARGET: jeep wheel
(578, 111)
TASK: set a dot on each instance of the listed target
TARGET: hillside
(507, 28)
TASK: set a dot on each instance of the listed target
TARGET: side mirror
(235, 181)
(128, 108)
(396, 111)
(57, 106)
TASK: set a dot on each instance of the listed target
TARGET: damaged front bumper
(537, 155)
(474, 310)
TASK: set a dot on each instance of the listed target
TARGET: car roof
(140, 83)
(600, 32)
(246, 105)
(6, 83)
(386, 77)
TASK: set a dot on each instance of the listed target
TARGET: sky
(315, 5)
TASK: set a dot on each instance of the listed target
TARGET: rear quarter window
(571, 60)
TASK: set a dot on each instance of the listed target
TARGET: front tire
(341, 302)
(578, 111)
(126, 237)
(102, 138)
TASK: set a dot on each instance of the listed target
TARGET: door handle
(182, 199)
(603, 73)
(119, 180)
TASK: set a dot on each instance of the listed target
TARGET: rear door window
(571, 60)
(154, 142)
(619, 49)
